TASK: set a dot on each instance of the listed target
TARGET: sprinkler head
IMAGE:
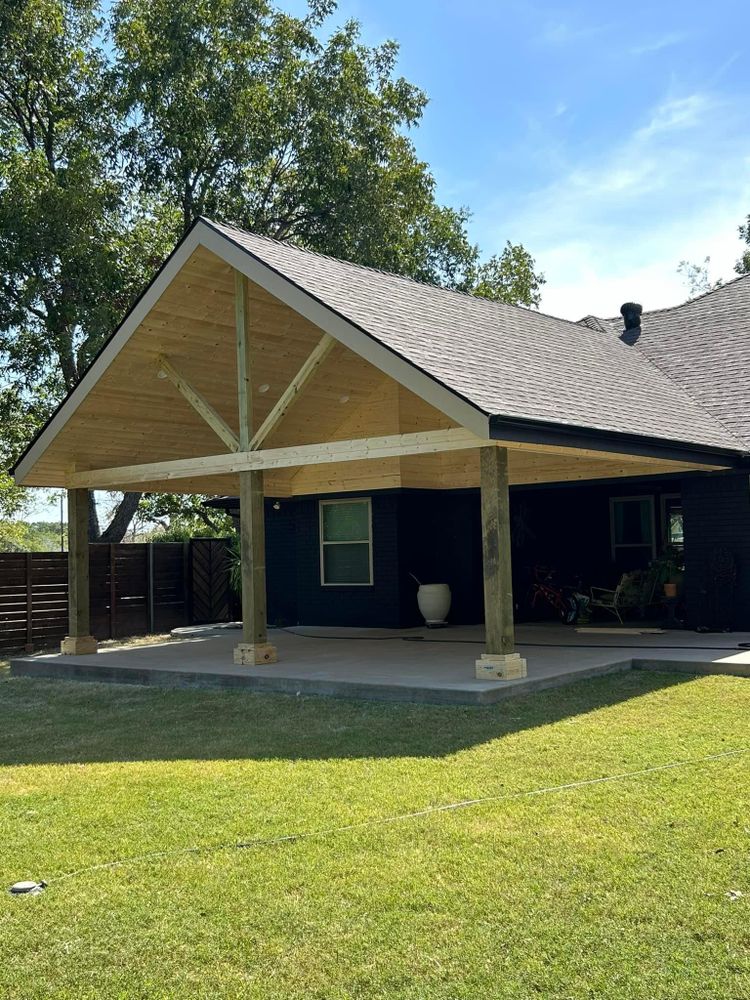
(27, 888)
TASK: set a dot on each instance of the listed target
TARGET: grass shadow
(64, 722)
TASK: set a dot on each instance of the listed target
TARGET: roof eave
(504, 428)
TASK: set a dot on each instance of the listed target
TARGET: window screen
(346, 542)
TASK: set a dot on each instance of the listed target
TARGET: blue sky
(611, 139)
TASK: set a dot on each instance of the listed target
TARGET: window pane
(348, 563)
(632, 522)
(676, 533)
(346, 522)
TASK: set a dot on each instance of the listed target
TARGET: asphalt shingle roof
(704, 347)
(508, 361)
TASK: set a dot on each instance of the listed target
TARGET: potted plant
(669, 567)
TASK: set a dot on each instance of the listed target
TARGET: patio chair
(614, 600)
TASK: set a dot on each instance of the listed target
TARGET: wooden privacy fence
(134, 590)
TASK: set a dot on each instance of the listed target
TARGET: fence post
(29, 647)
(187, 578)
(112, 591)
(150, 585)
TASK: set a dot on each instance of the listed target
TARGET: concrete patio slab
(420, 665)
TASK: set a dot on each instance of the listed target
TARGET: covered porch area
(322, 378)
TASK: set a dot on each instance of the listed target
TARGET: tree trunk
(94, 529)
(115, 531)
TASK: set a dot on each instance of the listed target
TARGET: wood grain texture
(79, 613)
(498, 579)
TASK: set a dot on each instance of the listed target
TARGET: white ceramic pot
(434, 600)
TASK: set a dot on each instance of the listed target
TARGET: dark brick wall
(436, 535)
(441, 542)
(281, 563)
(717, 521)
(295, 592)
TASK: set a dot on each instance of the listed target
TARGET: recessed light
(162, 374)
(343, 399)
(264, 388)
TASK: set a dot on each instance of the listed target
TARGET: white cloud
(558, 33)
(580, 282)
(614, 227)
(658, 44)
(679, 113)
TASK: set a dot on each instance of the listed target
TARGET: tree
(509, 277)
(72, 254)
(743, 264)
(16, 425)
(121, 123)
(697, 277)
(285, 135)
(179, 512)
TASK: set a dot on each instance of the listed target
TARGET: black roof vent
(631, 316)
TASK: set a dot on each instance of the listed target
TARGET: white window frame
(631, 545)
(367, 541)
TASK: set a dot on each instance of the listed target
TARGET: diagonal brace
(292, 392)
(199, 404)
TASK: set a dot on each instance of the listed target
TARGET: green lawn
(612, 890)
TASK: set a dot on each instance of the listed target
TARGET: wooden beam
(79, 640)
(244, 383)
(292, 392)
(199, 404)
(358, 450)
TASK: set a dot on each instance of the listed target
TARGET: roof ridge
(687, 302)
(394, 274)
(703, 295)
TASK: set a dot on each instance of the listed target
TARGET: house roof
(507, 361)
(704, 347)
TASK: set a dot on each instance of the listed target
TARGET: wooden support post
(79, 640)
(254, 648)
(500, 661)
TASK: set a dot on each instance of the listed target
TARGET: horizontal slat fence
(135, 590)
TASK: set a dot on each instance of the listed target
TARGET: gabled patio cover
(397, 357)
(253, 367)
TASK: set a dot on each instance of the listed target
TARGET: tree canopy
(743, 264)
(121, 123)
